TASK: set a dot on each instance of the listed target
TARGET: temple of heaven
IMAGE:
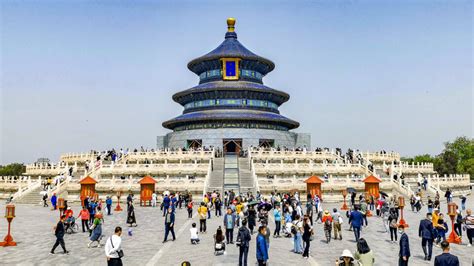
(231, 108)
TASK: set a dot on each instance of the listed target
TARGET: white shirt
(153, 196)
(112, 252)
(194, 233)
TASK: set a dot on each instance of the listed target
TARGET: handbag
(119, 252)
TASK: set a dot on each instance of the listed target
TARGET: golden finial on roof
(230, 24)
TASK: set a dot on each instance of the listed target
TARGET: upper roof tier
(231, 48)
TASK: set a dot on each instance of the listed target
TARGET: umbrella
(383, 194)
(255, 202)
(42, 193)
(266, 206)
(351, 189)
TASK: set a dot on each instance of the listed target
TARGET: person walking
(113, 248)
(59, 232)
(469, 225)
(218, 206)
(364, 255)
(458, 223)
(96, 231)
(53, 201)
(189, 207)
(85, 216)
(252, 218)
(307, 232)
(153, 199)
(327, 221)
(229, 224)
(404, 254)
(108, 204)
(131, 214)
(426, 232)
(277, 218)
(262, 248)
(243, 241)
(297, 230)
(166, 204)
(446, 259)
(45, 199)
(202, 212)
(336, 223)
(393, 225)
(356, 220)
(169, 224)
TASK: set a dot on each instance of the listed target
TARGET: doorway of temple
(194, 143)
(232, 146)
(266, 143)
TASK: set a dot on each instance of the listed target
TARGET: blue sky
(81, 75)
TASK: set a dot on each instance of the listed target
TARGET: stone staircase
(231, 173)
(216, 180)
(32, 197)
(247, 182)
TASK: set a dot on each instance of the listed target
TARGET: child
(194, 235)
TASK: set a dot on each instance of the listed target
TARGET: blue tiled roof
(230, 47)
(230, 115)
(230, 85)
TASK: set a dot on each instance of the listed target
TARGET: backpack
(327, 222)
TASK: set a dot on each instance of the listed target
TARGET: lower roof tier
(230, 89)
(231, 115)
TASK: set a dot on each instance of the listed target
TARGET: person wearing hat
(404, 254)
(426, 232)
(346, 259)
(327, 221)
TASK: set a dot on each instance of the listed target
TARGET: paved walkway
(32, 229)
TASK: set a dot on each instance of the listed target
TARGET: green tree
(12, 169)
(457, 157)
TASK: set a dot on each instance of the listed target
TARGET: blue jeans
(356, 232)
(297, 243)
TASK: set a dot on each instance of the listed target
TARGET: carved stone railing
(24, 189)
(305, 168)
(380, 157)
(273, 154)
(145, 155)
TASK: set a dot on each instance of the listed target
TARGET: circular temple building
(231, 108)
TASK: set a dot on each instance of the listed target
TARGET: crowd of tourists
(248, 218)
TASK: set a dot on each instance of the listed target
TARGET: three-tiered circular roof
(242, 100)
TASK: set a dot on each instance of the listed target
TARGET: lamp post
(453, 237)
(9, 214)
(344, 195)
(61, 206)
(118, 208)
(401, 204)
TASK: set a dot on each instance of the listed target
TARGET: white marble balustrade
(262, 168)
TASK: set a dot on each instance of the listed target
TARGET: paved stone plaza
(32, 229)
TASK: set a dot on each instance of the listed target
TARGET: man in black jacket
(243, 237)
(426, 232)
(59, 233)
(446, 259)
(404, 254)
